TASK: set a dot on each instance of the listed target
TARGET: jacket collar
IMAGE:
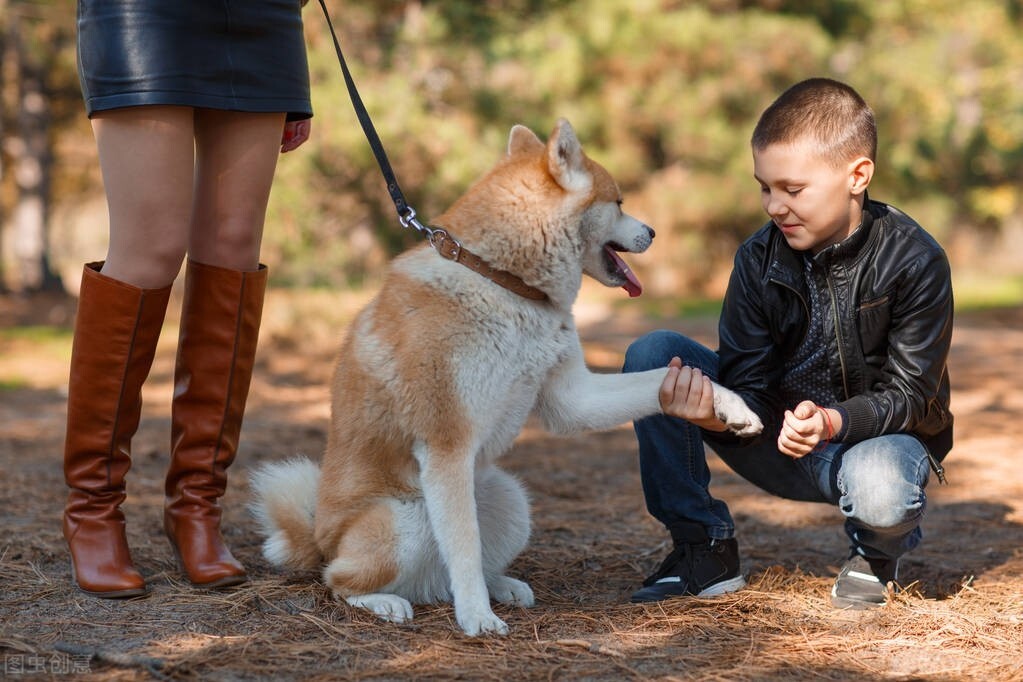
(786, 264)
(850, 248)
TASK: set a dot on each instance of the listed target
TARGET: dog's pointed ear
(565, 159)
(522, 139)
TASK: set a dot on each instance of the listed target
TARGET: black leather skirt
(240, 55)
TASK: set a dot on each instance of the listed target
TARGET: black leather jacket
(888, 326)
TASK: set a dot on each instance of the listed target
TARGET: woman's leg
(147, 158)
(236, 159)
(221, 310)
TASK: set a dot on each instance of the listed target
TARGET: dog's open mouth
(618, 267)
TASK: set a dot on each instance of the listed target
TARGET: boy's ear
(860, 172)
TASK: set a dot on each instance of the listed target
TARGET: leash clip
(408, 219)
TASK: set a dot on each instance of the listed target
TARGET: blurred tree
(35, 41)
(663, 92)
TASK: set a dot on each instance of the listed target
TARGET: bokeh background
(664, 93)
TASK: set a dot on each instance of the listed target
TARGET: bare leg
(236, 155)
(147, 158)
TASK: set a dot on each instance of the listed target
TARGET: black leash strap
(443, 243)
(405, 213)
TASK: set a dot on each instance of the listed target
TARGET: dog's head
(603, 229)
(548, 213)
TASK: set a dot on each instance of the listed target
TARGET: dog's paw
(510, 591)
(480, 621)
(730, 408)
(390, 607)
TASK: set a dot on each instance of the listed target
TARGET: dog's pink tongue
(632, 284)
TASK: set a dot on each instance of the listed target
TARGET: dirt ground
(960, 619)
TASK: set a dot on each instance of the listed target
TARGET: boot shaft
(216, 352)
(220, 321)
(116, 332)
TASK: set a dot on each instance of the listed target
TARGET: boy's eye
(793, 191)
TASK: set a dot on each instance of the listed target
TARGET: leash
(442, 242)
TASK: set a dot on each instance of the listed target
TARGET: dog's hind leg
(504, 531)
(365, 562)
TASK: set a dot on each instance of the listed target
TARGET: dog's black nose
(651, 231)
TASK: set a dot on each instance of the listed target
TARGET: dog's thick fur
(435, 380)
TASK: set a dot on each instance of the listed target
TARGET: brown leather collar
(450, 248)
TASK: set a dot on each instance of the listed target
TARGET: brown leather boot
(115, 340)
(216, 350)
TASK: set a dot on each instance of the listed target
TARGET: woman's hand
(295, 133)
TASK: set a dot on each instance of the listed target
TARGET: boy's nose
(774, 206)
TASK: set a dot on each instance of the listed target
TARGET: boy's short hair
(828, 112)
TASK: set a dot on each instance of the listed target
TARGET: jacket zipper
(838, 333)
(936, 465)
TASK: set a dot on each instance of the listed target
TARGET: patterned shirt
(806, 375)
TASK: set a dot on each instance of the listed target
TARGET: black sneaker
(863, 583)
(696, 567)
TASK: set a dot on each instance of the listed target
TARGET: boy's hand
(688, 394)
(802, 429)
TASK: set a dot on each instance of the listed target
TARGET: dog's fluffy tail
(284, 507)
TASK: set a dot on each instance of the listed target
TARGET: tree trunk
(3, 116)
(29, 147)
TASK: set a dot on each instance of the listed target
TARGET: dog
(436, 378)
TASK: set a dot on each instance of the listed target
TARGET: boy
(835, 329)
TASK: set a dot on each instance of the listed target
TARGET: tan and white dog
(437, 377)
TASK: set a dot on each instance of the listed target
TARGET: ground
(961, 617)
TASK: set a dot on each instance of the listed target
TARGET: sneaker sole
(850, 604)
(724, 587)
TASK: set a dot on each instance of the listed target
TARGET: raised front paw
(480, 621)
(510, 591)
(730, 408)
(390, 607)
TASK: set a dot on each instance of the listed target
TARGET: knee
(653, 350)
(888, 511)
(884, 489)
(150, 268)
(232, 243)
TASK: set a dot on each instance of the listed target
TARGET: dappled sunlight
(593, 542)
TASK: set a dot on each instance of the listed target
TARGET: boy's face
(813, 202)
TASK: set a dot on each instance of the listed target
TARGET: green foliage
(663, 92)
(985, 291)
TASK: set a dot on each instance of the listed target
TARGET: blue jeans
(878, 484)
